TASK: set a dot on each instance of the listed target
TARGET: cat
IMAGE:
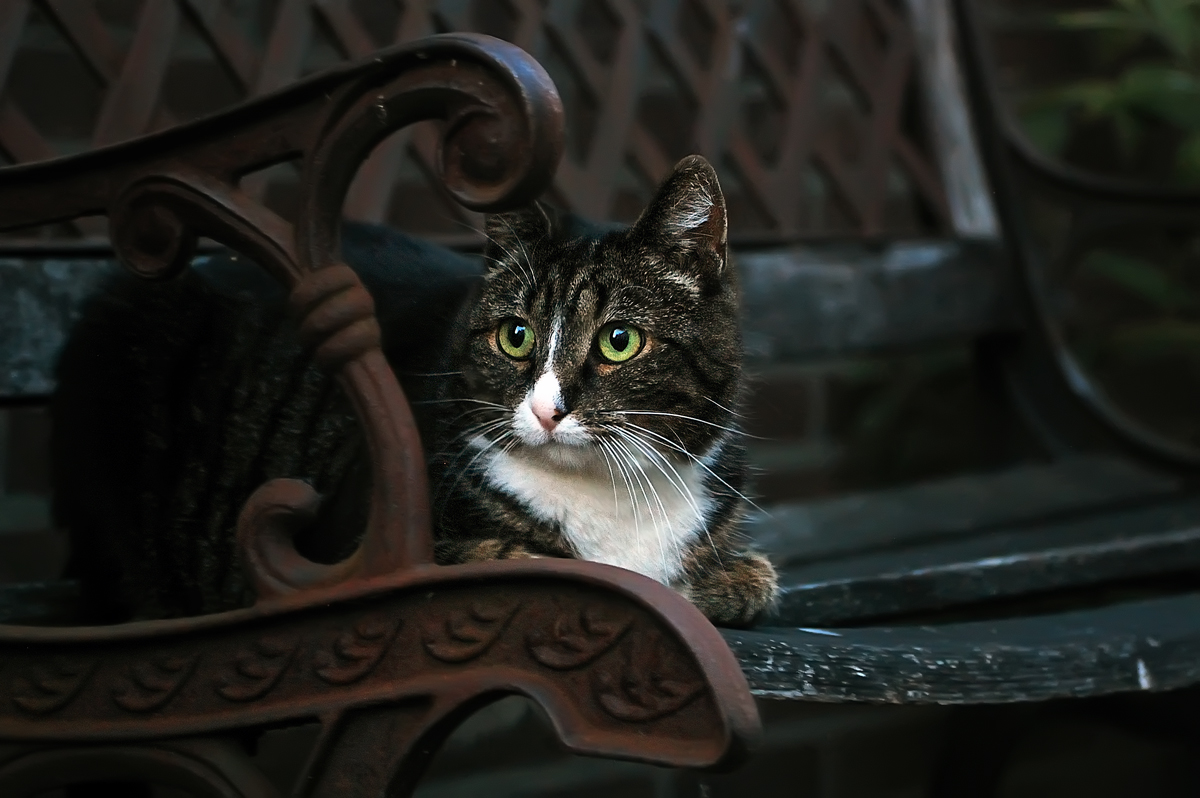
(596, 380)
(578, 389)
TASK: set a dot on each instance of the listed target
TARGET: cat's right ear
(510, 234)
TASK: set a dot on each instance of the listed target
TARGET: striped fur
(176, 401)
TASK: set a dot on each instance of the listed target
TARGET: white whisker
(731, 430)
(728, 410)
(644, 484)
(684, 491)
(677, 447)
(637, 527)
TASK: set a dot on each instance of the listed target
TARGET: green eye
(619, 341)
(515, 339)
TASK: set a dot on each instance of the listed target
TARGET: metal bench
(1062, 579)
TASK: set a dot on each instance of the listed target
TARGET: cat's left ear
(688, 213)
(512, 232)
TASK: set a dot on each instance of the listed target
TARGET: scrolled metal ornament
(358, 651)
(576, 638)
(467, 633)
(386, 650)
(257, 670)
(52, 685)
(155, 682)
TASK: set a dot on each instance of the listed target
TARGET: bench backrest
(840, 122)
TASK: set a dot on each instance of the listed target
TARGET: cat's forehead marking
(556, 325)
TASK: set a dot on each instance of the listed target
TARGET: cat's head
(581, 349)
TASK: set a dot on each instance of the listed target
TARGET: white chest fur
(640, 521)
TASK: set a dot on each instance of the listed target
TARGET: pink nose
(548, 413)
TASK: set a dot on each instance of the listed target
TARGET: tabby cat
(578, 389)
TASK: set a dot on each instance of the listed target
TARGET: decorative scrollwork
(51, 687)
(648, 686)
(153, 241)
(269, 519)
(155, 221)
(336, 315)
(575, 641)
(357, 652)
(259, 669)
(153, 684)
(466, 634)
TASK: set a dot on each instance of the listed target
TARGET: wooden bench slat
(40, 301)
(953, 507)
(1140, 645)
(801, 302)
(1103, 547)
(50, 603)
(841, 297)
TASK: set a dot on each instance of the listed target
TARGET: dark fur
(176, 401)
(692, 367)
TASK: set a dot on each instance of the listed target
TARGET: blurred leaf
(1187, 159)
(1165, 337)
(1113, 44)
(1128, 130)
(1095, 97)
(1174, 24)
(1102, 20)
(1138, 277)
(1047, 127)
(1168, 93)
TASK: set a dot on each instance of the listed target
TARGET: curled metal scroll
(501, 138)
(386, 654)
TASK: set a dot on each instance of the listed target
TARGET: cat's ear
(513, 231)
(688, 213)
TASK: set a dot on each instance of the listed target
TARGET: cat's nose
(547, 403)
(549, 413)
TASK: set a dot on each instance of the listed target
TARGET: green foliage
(1160, 40)
(1140, 278)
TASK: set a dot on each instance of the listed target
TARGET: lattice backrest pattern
(810, 109)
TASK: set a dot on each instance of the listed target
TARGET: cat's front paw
(450, 552)
(736, 591)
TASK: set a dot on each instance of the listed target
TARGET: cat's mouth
(534, 429)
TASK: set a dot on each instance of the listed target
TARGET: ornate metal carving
(647, 685)
(468, 633)
(356, 652)
(152, 684)
(257, 670)
(642, 691)
(384, 640)
(51, 684)
(575, 640)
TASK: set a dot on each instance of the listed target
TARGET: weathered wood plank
(1107, 547)
(40, 300)
(53, 603)
(808, 301)
(969, 504)
(834, 298)
(1142, 645)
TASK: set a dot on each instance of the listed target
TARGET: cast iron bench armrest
(387, 651)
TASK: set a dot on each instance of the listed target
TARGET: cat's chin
(570, 456)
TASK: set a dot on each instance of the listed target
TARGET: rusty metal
(386, 650)
(813, 118)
